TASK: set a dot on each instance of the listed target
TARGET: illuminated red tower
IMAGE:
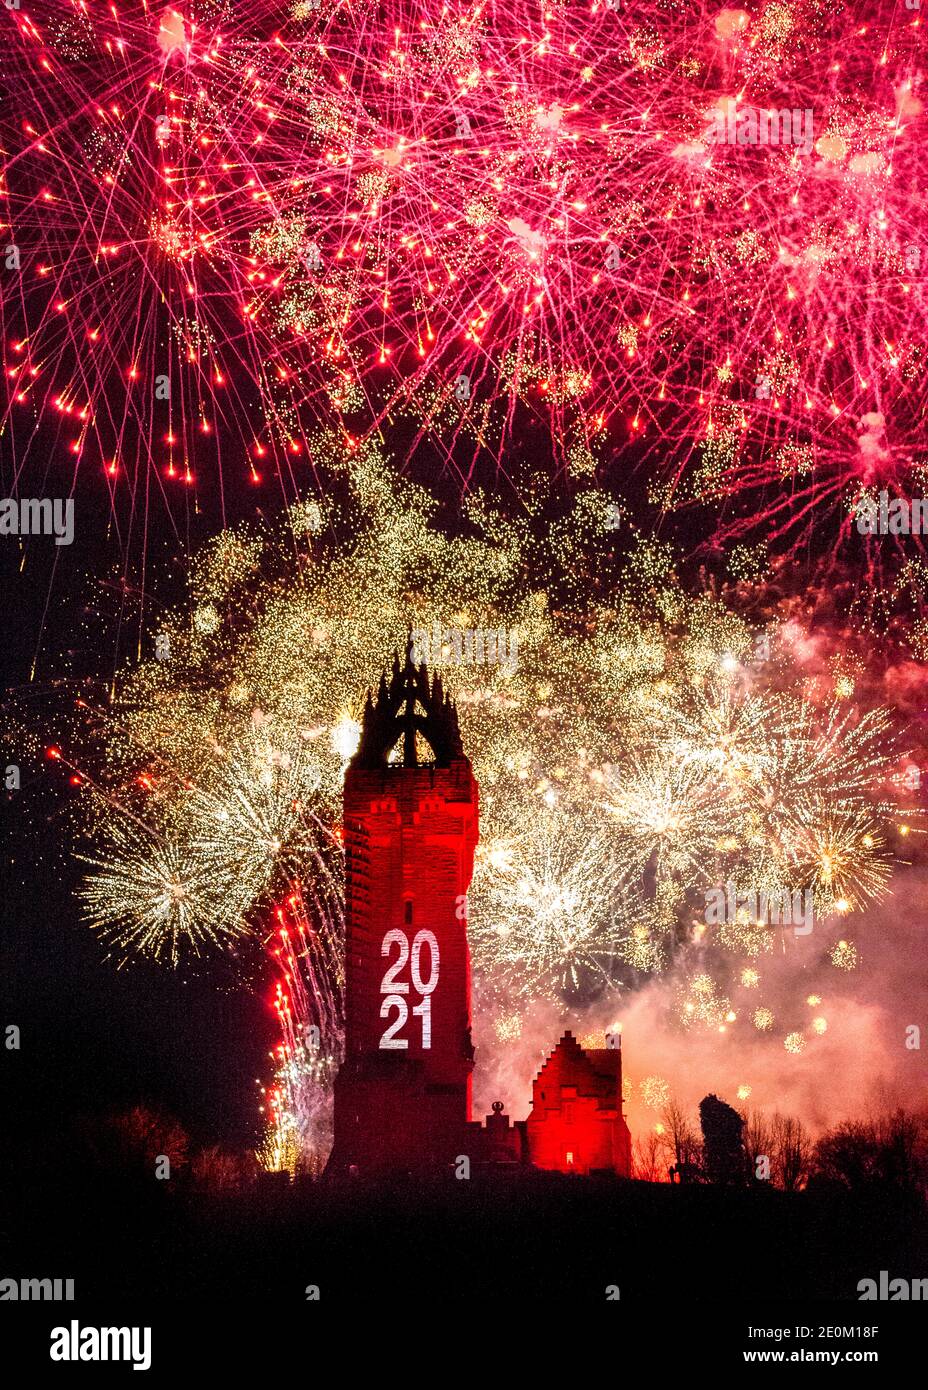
(403, 1094)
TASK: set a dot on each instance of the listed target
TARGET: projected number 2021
(395, 988)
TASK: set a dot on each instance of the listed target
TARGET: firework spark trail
(308, 1003)
(360, 214)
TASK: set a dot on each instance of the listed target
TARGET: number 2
(389, 1039)
(389, 984)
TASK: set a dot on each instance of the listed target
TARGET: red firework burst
(688, 236)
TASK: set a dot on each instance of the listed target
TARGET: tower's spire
(408, 705)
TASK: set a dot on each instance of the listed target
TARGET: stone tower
(403, 1094)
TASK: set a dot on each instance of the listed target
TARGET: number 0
(425, 938)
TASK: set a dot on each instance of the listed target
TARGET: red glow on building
(576, 1124)
(403, 1094)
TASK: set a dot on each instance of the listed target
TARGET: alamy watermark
(732, 124)
(35, 1290)
(878, 516)
(892, 1290)
(38, 516)
(76, 1343)
(789, 908)
(466, 647)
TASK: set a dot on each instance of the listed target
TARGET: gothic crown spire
(406, 705)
